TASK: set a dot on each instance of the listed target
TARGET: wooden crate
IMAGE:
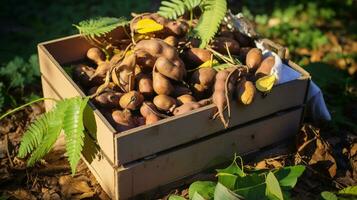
(125, 163)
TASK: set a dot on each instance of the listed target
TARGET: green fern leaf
(73, 129)
(54, 124)
(99, 26)
(33, 136)
(174, 8)
(208, 24)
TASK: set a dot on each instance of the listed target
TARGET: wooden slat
(179, 163)
(178, 130)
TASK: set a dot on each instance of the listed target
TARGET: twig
(317, 172)
(224, 58)
(229, 53)
(7, 150)
(23, 106)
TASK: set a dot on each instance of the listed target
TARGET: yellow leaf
(208, 63)
(147, 26)
(129, 52)
(138, 37)
(266, 83)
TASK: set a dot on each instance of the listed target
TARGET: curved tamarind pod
(169, 69)
(161, 84)
(124, 74)
(158, 48)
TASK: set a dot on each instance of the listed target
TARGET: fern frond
(73, 129)
(210, 20)
(54, 124)
(99, 26)
(174, 8)
(34, 135)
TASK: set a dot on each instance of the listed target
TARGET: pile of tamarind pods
(148, 77)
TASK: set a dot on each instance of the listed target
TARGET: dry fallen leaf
(71, 186)
(315, 151)
(22, 194)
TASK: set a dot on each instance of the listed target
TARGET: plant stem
(23, 106)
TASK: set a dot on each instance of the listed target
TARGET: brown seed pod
(185, 98)
(180, 90)
(223, 90)
(124, 74)
(144, 59)
(204, 76)
(151, 119)
(199, 91)
(149, 111)
(254, 58)
(82, 73)
(148, 108)
(161, 84)
(219, 44)
(189, 106)
(171, 40)
(164, 103)
(139, 121)
(96, 55)
(245, 92)
(145, 85)
(243, 52)
(169, 69)
(131, 100)
(186, 107)
(158, 48)
(265, 67)
(108, 99)
(244, 41)
(197, 56)
(123, 119)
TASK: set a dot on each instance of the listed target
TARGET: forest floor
(320, 35)
(331, 164)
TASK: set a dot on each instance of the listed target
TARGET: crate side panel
(48, 92)
(67, 50)
(60, 83)
(91, 155)
(169, 167)
(99, 166)
(170, 132)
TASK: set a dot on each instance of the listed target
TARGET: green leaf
(34, 135)
(176, 197)
(255, 192)
(174, 8)
(99, 26)
(328, 195)
(221, 192)
(351, 190)
(54, 123)
(204, 188)
(251, 186)
(74, 130)
(288, 176)
(273, 190)
(229, 175)
(197, 196)
(250, 180)
(210, 20)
